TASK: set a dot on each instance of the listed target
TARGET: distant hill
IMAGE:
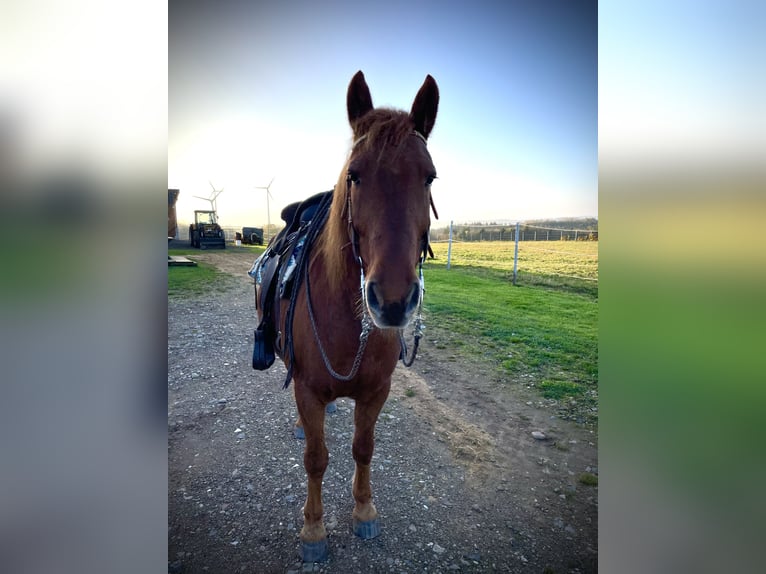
(579, 223)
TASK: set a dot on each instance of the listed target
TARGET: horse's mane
(381, 130)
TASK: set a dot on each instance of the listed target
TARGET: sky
(257, 91)
(693, 95)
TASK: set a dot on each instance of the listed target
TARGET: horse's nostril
(414, 297)
(372, 298)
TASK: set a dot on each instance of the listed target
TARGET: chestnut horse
(360, 289)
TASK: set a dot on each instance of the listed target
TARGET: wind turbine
(212, 199)
(268, 210)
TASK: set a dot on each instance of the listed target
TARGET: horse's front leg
(366, 524)
(298, 428)
(315, 458)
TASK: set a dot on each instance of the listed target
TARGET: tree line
(575, 229)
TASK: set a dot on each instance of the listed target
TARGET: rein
(367, 327)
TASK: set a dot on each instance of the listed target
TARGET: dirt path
(458, 479)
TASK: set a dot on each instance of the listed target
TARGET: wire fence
(565, 262)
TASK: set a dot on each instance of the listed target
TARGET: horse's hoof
(367, 530)
(315, 551)
(298, 433)
(331, 407)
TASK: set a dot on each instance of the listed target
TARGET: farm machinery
(252, 235)
(205, 232)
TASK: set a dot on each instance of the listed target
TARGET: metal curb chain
(419, 326)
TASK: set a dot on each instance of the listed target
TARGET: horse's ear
(423, 112)
(358, 99)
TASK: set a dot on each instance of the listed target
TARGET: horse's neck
(346, 270)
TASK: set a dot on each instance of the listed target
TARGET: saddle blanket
(285, 278)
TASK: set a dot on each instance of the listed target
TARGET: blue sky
(257, 91)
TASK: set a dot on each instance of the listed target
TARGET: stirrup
(263, 350)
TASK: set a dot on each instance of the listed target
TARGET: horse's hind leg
(315, 458)
(366, 524)
(298, 428)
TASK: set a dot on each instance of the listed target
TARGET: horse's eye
(352, 177)
(430, 179)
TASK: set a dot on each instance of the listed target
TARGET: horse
(340, 333)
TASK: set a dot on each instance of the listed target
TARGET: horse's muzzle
(391, 314)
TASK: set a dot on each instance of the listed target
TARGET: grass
(560, 389)
(543, 336)
(588, 479)
(575, 258)
(185, 281)
(570, 265)
(193, 281)
(186, 251)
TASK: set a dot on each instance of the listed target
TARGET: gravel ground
(459, 481)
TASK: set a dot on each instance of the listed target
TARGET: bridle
(366, 320)
(347, 210)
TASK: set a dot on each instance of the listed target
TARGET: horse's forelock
(381, 128)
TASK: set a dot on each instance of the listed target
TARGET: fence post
(449, 245)
(516, 253)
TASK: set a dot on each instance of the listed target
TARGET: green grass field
(567, 258)
(570, 265)
(542, 333)
(186, 281)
